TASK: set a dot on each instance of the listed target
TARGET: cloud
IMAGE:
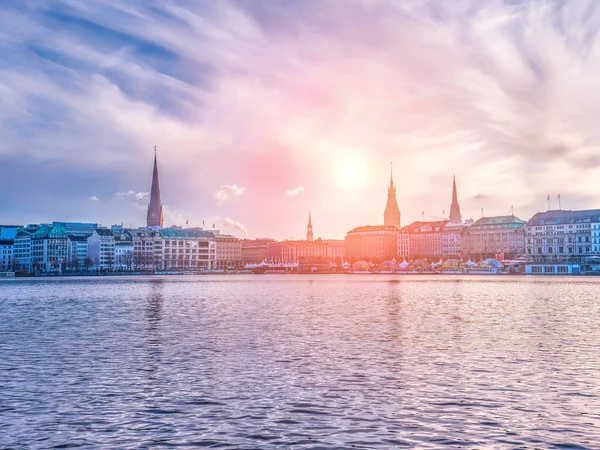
(94, 198)
(230, 225)
(294, 192)
(136, 195)
(475, 87)
(227, 192)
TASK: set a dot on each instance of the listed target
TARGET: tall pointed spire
(309, 229)
(455, 215)
(391, 215)
(155, 212)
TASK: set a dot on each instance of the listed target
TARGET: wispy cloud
(295, 191)
(94, 198)
(136, 195)
(227, 192)
(465, 86)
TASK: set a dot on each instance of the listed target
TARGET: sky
(264, 110)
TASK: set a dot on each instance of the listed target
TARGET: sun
(350, 172)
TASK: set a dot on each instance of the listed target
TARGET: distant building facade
(451, 239)
(489, 237)
(228, 251)
(563, 235)
(187, 249)
(255, 251)
(423, 239)
(101, 249)
(316, 251)
(372, 243)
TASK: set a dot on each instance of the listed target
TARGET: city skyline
(262, 114)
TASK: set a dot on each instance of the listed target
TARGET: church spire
(455, 215)
(155, 213)
(309, 229)
(391, 215)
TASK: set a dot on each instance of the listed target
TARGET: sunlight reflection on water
(290, 361)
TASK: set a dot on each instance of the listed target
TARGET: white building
(101, 249)
(563, 235)
(191, 249)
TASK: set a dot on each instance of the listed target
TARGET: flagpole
(559, 206)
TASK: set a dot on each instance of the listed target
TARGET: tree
(87, 262)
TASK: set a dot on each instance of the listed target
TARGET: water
(300, 361)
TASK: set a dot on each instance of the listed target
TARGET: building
(77, 228)
(189, 249)
(155, 210)
(451, 239)
(6, 254)
(372, 243)
(7, 241)
(228, 252)
(49, 249)
(147, 249)
(22, 248)
(101, 249)
(501, 237)
(422, 240)
(391, 215)
(77, 252)
(307, 252)
(123, 248)
(563, 235)
(255, 251)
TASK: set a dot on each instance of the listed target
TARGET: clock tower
(155, 213)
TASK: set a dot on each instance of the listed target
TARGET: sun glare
(350, 172)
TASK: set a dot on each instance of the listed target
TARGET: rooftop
(564, 216)
(371, 228)
(498, 221)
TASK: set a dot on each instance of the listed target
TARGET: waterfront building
(391, 215)
(185, 249)
(8, 234)
(563, 235)
(228, 251)
(49, 249)
(155, 210)
(255, 251)
(372, 243)
(77, 252)
(147, 249)
(500, 237)
(101, 249)
(6, 254)
(123, 248)
(424, 239)
(451, 239)
(22, 248)
(307, 252)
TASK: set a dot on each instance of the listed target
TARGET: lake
(294, 361)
